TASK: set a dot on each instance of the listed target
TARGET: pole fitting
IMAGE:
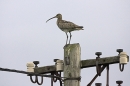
(119, 82)
(119, 50)
(98, 67)
(36, 63)
(98, 54)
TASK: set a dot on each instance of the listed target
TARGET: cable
(36, 74)
(29, 73)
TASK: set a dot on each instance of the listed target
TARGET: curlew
(66, 26)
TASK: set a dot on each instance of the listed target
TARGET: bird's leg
(67, 38)
(70, 37)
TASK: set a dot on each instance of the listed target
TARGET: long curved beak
(50, 19)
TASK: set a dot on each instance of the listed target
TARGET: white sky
(25, 37)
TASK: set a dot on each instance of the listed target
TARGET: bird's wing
(67, 24)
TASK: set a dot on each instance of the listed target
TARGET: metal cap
(98, 84)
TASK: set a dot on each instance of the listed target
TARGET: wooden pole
(72, 64)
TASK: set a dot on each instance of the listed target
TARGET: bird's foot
(65, 46)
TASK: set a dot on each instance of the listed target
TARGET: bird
(66, 26)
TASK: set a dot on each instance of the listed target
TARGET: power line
(28, 73)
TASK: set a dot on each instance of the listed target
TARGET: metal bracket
(36, 80)
(102, 68)
(121, 67)
(98, 67)
(67, 58)
(55, 79)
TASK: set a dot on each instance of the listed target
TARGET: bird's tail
(79, 28)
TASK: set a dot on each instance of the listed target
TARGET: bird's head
(59, 16)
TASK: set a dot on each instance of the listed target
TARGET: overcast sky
(25, 36)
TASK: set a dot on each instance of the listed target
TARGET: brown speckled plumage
(66, 26)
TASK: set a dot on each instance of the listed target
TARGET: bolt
(98, 84)
(55, 60)
(119, 50)
(36, 63)
(98, 53)
(119, 82)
